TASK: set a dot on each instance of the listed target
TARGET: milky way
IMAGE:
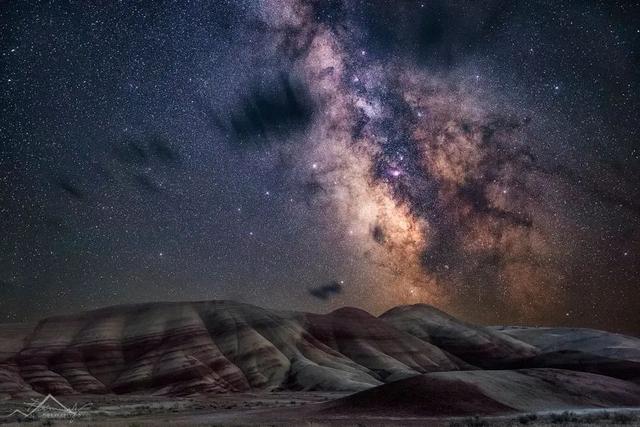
(430, 176)
(431, 181)
(314, 154)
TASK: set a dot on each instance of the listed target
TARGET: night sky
(483, 157)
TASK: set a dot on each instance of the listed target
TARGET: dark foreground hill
(483, 393)
(412, 359)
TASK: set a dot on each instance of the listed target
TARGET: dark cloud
(146, 183)
(70, 188)
(146, 150)
(163, 150)
(313, 189)
(327, 291)
(440, 32)
(377, 233)
(327, 11)
(627, 200)
(144, 162)
(271, 112)
(474, 194)
(131, 152)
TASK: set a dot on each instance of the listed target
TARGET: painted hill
(208, 347)
(199, 348)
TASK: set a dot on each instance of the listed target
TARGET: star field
(482, 158)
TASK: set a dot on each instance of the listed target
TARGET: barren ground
(278, 409)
